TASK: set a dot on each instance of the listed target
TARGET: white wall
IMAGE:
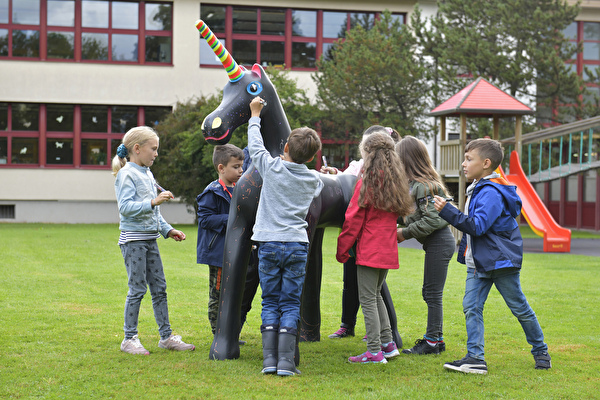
(87, 196)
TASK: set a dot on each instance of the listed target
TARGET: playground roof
(481, 99)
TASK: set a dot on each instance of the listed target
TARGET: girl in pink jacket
(380, 196)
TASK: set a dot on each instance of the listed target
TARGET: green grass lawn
(64, 288)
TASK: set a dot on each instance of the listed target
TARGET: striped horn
(234, 71)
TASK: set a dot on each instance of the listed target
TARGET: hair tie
(122, 151)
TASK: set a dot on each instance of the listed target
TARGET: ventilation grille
(7, 211)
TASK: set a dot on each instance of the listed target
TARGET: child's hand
(256, 106)
(400, 235)
(162, 197)
(439, 203)
(328, 170)
(178, 236)
(342, 257)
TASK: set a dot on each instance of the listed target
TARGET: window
(87, 30)
(589, 185)
(153, 115)
(3, 150)
(587, 63)
(49, 134)
(278, 36)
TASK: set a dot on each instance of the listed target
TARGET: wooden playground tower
(481, 99)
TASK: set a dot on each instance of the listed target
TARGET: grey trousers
(145, 269)
(377, 321)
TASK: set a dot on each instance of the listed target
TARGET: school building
(75, 75)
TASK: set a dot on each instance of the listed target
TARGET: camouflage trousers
(214, 291)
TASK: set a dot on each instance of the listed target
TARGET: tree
(373, 76)
(185, 166)
(518, 45)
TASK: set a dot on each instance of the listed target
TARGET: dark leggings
(439, 248)
(251, 285)
(350, 301)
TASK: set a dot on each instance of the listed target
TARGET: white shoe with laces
(174, 342)
(133, 346)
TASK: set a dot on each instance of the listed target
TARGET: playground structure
(556, 238)
(474, 101)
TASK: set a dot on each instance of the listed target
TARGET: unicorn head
(244, 84)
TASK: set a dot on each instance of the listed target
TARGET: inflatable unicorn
(326, 210)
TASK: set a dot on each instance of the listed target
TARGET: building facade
(75, 75)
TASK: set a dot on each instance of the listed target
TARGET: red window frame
(77, 135)
(229, 36)
(78, 30)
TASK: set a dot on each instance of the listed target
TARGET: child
(350, 302)
(141, 224)
(213, 213)
(425, 225)
(280, 229)
(380, 196)
(492, 249)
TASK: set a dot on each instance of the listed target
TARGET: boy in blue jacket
(492, 249)
(213, 213)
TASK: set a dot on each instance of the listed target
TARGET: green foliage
(64, 287)
(518, 45)
(185, 166)
(374, 76)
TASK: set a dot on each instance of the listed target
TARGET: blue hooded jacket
(495, 237)
(213, 213)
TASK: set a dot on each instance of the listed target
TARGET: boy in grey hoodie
(280, 229)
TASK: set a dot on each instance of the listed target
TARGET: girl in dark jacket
(425, 225)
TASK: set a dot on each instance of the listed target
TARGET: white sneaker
(133, 346)
(174, 342)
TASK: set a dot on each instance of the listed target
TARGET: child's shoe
(364, 339)
(468, 365)
(422, 347)
(542, 361)
(174, 342)
(390, 350)
(133, 346)
(342, 333)
(367, 357)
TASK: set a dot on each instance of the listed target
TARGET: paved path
(584, 247)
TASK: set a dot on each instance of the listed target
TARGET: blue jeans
(145, 269)
(507, 282)
(281, 269)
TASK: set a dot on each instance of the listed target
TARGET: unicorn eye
(254, 88)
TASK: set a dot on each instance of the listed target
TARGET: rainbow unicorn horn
(233, 69)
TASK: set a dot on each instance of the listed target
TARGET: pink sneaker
(390, 350)
(342, 333)
(367, 357)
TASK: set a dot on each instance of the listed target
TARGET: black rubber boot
(270, 343)
(287, 349)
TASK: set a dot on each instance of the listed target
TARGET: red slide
(556, 238)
